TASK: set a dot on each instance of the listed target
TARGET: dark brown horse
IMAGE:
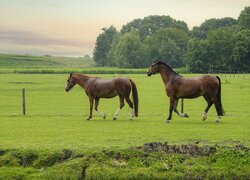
(180, 87)
(97, 88)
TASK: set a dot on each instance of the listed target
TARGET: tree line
(218, 44)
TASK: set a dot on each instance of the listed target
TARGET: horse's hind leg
(209, 104)
(131, 107)
(219, 110)
(96, 108)
(119, 109)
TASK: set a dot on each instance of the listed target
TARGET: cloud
(21, 41)
(33, 38)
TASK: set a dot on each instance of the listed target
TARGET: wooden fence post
(182, 105)
(24, 104)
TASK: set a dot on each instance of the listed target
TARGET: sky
(70, 27)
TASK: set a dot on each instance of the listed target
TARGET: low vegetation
(150, 161)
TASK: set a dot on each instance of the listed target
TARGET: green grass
(56, 120)
(12, 61)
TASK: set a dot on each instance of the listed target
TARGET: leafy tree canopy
(218, 44)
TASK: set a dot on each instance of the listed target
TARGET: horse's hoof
(167, 121)
(204, 118)
(185, 115)
(217, 121)
(114, 118)
(88, 119)
(104, 116)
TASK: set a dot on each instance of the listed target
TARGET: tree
(195, 57)
(103, 45)
(212, 24)
(131, 52)
(150, 24)
(241, 50)
(220, 44)
(169, 44)
(215, 52)
(170, 53)
(86, 56)
(244, 18)
(112, 55)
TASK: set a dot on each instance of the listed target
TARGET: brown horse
(97, 88)
(180, 87)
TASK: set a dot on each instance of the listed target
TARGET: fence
(231, 74)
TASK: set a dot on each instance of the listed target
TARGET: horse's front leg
(91, 101)
(171, 107)
(96, 108)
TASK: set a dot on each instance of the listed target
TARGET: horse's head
(70, 83)
(153, 68)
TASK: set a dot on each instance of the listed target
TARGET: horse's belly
(193, 93)
(109, 94)
(191, 96)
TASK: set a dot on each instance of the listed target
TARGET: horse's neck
(166, 74)
(82, 81)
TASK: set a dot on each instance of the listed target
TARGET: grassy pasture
(56, 120)
(11, 61)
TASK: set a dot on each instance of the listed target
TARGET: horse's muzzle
(67, 90)
(149, 74)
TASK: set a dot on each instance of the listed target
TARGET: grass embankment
(151, 161)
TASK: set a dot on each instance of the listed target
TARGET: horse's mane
(159, 62)
(81, 75)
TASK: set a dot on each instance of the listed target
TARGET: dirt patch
(241, 147)
(30, 158)
(189, 149)
(2, 152)
(22, 83)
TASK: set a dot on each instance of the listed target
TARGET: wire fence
(231, 74)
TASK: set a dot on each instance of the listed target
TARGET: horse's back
(204, 79)
(109, 88)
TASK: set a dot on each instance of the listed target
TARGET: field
(55, 140)
(28, 64)
(12, 61)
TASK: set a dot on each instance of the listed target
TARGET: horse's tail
(135, 97)
(220, 107)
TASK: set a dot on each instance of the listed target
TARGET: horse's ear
(156, 62)
(70, 75)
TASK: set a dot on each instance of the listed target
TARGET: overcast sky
(70, 27)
